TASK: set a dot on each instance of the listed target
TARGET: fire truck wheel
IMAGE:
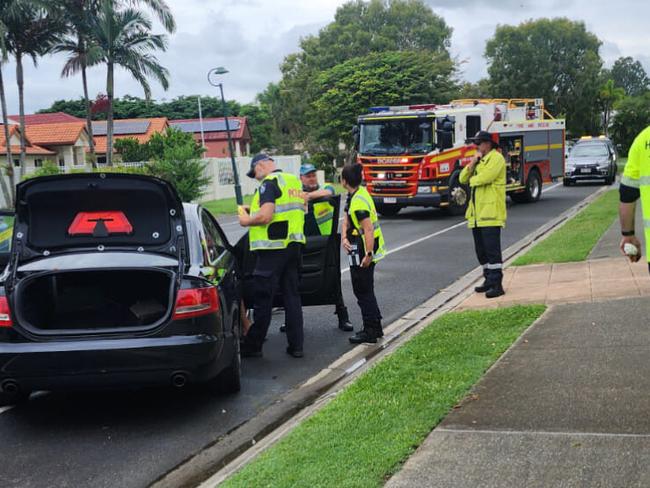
(533, 191)
(388, 210)
(458, 197)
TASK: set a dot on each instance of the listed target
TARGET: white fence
(223, 181)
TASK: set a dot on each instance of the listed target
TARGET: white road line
(418, 241)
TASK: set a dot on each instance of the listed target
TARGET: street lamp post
(213, 79)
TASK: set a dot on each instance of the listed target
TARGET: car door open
(320, 273)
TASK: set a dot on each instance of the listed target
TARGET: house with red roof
(69, 141)
(139, 129)
(35, 155)
(49, 118)
(213, 132)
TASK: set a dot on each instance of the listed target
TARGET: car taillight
(194, 302)
(5, 313)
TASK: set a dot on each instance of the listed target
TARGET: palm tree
(31, 31)
(8, 194)
(83, 52)
(610, 94)
(125, 39)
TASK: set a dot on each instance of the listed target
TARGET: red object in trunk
(89, 223)
(5, 313)
(194, 302)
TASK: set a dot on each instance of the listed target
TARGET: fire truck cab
(412, 155)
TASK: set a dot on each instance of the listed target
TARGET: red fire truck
(413, 155)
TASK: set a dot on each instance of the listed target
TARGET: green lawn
(621, 164)
(367, 432)
(575, 239)
(228, 206)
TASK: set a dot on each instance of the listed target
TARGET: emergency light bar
(402, 108)
(100, 224)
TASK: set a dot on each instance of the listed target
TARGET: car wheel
(388, 210)
(229, 380)
(533, 191)
(566, 182)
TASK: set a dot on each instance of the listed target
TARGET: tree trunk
(89, 120)
(21, 105)
(9, 194)
(109, 118)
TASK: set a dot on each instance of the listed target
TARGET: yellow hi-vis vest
(290, 208)
(361, 200)
(324, 213)
(637, 175)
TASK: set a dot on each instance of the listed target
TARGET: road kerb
(219, 460)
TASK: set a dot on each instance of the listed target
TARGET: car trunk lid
(97, 213)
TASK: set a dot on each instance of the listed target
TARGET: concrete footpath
(569, 404)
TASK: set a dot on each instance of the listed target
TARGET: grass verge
(575, 239)
(228, 206)
(366, 433)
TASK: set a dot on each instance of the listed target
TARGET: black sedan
(111, 282)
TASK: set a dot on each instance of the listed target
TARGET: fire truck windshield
(396, 137)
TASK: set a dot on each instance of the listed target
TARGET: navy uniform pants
(277, 271)
(487, 242)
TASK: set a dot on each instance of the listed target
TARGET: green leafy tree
(630, 75)
(360, 28)
(632, 116)
(179, 166)
(480, 89)
(131, 151)
(609, 96)
(172, 139)
(125, 39)
(391, 78)
(554, 59)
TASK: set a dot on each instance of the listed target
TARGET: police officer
(323, 212)
(635, 184)
(276, 222)
(364, 242)
(486, 212)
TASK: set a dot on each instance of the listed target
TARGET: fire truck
(412, 155)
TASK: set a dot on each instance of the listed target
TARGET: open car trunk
(94, 300)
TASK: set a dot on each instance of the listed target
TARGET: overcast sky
(251, 37)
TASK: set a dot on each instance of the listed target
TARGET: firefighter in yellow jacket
(635, 184)
(486, 211)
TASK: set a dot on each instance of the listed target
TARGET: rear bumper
(424, 200)
(110, 363)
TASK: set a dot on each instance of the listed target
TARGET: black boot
(495, 291)
(482, 288)
(249, 350)
(344, 319)
(364, 337)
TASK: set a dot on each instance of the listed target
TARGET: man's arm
(264, 216)
(315, 195)
(629, 194)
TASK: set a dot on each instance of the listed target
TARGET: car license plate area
(390, 200)
(585, 171)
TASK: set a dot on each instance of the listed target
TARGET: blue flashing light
(379, 109)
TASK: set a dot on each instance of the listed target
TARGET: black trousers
(363, 286)
(277, 270)
(487, 242)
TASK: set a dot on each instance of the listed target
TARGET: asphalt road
(129, 439)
